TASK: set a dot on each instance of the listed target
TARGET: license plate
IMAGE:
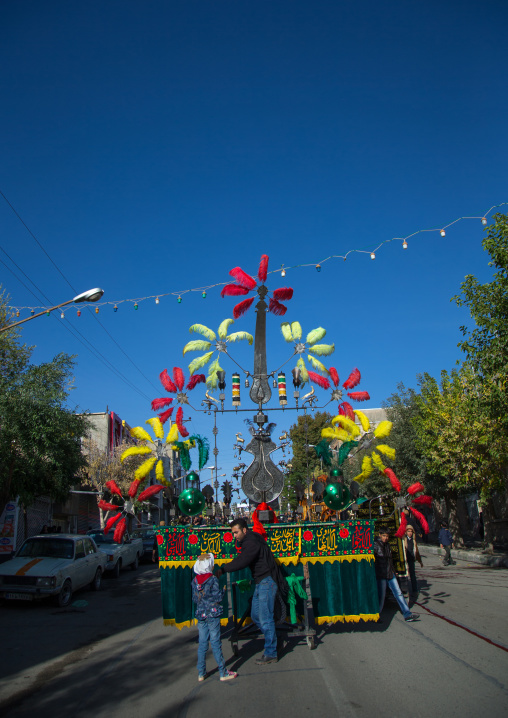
(19, 596)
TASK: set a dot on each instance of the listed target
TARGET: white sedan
(52, 565)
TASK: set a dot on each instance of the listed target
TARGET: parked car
(52, 565)
(118, 555)
(147, 536)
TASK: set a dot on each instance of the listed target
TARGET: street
(109, 654)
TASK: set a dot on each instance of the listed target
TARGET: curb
(494, 561)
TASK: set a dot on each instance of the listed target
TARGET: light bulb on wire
(484, 221)
(404, 244)
(282, 271)
(442, 233)
(156, 300)
(373, 255)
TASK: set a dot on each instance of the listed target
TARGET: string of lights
(203, 290)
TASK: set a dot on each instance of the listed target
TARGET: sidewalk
(496, 560)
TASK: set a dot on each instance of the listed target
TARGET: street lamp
(92, 295)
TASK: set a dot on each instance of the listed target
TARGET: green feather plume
(315, 335)
(317, 364)
(199, 362)
(203, 449)
(345, 449)
(185, 458)
(223, 328)
(323, 452)
(198, 345)
(285, 328)
(296, 331)
(201, 329)
(212, 380)
(240, 336)
(322, 349)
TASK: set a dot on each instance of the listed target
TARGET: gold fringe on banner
(285, 561)
(355, 618)
(333, 559)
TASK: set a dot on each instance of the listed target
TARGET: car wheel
(118, 566)
(97, 581)
(135, 564)
(64, 597)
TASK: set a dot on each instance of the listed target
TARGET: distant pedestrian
(385, 575)
(446, 542)
(412, 555)
(207, 597)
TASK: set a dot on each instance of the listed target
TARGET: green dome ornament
(336, 496)
(335, 474)
(191, 502)
(192, 476)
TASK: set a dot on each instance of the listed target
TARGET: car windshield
(144, 534)
(99, 537)
(47, 548)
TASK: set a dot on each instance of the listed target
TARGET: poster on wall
(8, 528)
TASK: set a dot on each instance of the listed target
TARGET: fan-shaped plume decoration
(393, 479)
(161, 403)
(135, 451)
(106, 507)
(345, 409)
(240, 309)
(383, 430)
(234, 290)
(334, 376)
(194, 380)
(113, 487)
(164, 415)
(243, 278)
(386, 450)
(364, 421)
(359, 395)
(276, 308)
(415, 488)
(423, 500)
(353, 379)
(263, 269)
(120, 530)
(402, 527)
(149, 491)
(284, 293)
(166, 382)
(421, 518)
(110, 522)
(178, 377)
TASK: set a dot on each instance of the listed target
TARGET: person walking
(446, 542)
(256, 555)
(412, 555)
(207, 597)
(385, 575)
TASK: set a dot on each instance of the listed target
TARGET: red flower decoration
(245, 284)
(308, 535)
(228, 537)
(193, 539)
(343, 533)
(160, 540)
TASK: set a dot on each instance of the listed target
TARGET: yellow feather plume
(360, 478)
(197, 345)
(367, 466)
(199, 362)
(159, 472)
(315, 335)
(377, 462)
(363, 419)
(139, 433)
(145, 468)
(322, 349)
(386, 450)
(172, 434)
(285, 328)
(339, 434)
(204, 331)
(346, 424)
(223, 328)
(135, 451)
(296, 331)
(383, 430)
(304, 374)
(317, 364)
(189, 444)
(240, 336)
(157, 427)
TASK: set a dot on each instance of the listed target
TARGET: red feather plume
(242, 278)
(181, 428)
(415, 488)
(107, 507)
(234, 290)
(113, 487)
(110, 522)
(276, 308)
(161, 403)
(133, 488)
(194, 380)
(241, 308)
(393, 480)
(166, 382)
(402, 527)
(359, 395)
(421, 518)
(263, 268)
(334, 375)
(164, 415)
(178, 377)
(345, 409)
(150, 491)
(353, 379)
(423, 500)
(120, 529)
(321, 381)
(283, 294)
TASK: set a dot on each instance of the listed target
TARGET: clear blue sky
(152, 146)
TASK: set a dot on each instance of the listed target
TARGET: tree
(40, 439)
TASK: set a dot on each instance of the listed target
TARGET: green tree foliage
(40, 439)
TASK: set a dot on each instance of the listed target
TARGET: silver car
(52, 565)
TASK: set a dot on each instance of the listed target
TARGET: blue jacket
(207, 598)
(445, 538)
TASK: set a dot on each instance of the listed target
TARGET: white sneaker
(229, 676)
(201, 678)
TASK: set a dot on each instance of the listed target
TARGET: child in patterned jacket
(207, 596)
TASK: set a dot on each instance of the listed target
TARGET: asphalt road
(112, 656)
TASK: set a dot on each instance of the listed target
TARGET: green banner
(385, 515)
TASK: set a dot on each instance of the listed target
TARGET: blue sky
(150, 147)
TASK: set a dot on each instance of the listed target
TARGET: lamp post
(92, 295)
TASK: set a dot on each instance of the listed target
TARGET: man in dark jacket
(385, 575)
(256, 555)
